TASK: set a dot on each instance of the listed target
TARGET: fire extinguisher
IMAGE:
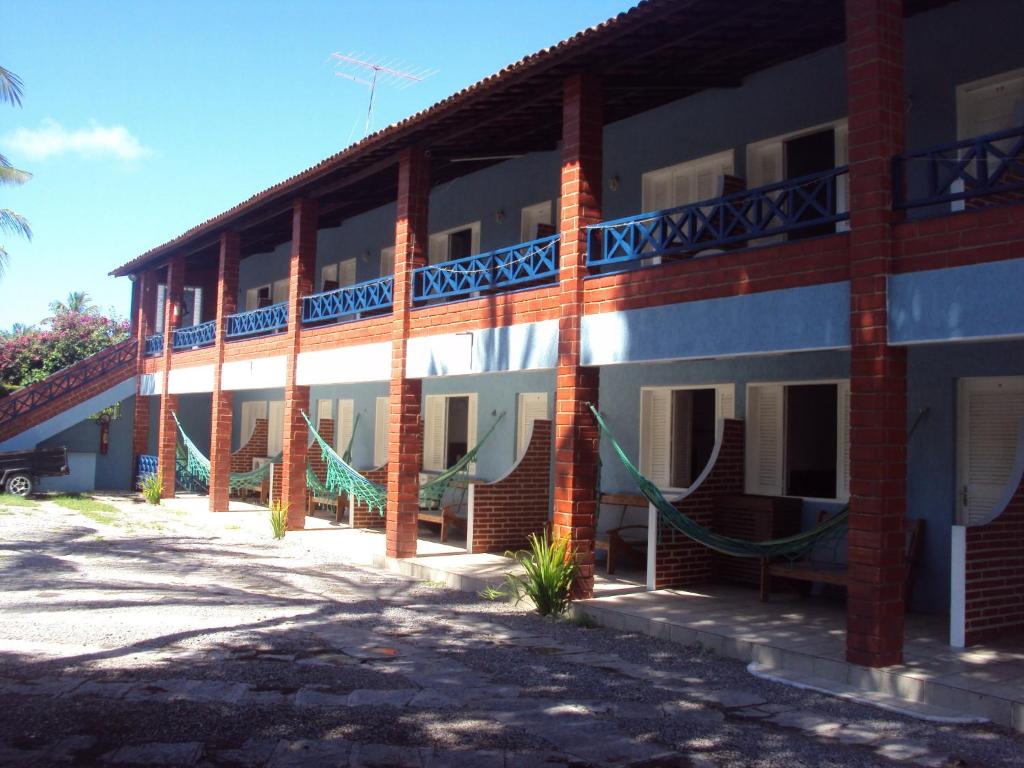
(177, 310)
(104, 433)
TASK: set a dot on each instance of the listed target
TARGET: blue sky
(141, 119)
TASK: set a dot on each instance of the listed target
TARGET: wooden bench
(337, 502)
(834, 572)
(613, 543)
(445, 517)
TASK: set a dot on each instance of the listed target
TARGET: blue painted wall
(365, 406)
(194, 415)
(113, 470)
(262, 269)
(496, 392)
(933, 371)
(361, 237)
(979, 300)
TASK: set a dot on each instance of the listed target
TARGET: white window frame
(435, 437)
(439, 246)
(752, 486)
(776, 146)
(386, 265)
(528, 410)
(161, 303)
(723, 163)
(275, 427)
(725, 408)
(251, 411)
(533, 215)
(381, 425)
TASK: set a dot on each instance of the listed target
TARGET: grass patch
(9, 500)
(98, 511)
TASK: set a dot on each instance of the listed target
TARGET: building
(801, 219)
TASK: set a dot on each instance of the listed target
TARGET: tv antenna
(360, 69)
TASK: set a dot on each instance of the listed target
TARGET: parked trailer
(20, 470)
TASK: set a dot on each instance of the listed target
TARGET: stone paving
(158, 639)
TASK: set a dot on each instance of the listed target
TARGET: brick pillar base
(167, 449)
(140, 429)
(294, 455)
(405, 456)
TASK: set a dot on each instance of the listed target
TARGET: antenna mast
(359, 69)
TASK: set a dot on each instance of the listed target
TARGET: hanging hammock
(193, 464)
(314, 483)
(342, 479)
(789, 546)
(432, 492)
(347, 455)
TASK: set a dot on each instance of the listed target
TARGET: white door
(990, 411)
(275, 427)
(532, 406)
(380, 431)
(346, 421)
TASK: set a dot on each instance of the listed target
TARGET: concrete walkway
(163, 637)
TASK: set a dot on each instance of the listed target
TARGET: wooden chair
(613, 543)
(835, 572)
(445, 517)
(338, 503)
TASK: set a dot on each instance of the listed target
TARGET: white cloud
(51, 139)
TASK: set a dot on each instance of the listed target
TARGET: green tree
(77, 303)
(10, 221)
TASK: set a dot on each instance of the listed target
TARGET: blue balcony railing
(349, 301)
(193, 336)
(990, 166)
(258, 321)
(502, 269)
(154, 345)
(147, 466)
(793, 205)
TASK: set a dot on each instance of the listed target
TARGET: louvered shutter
(343, 428)
(387, 261)
(437, 248)
(990, 412)
(323, 410)
(532, 406)
(252, 299)
(725, 395)
(346, 272)
(280, 291)
(656, 436)
(275, 427)
(251, 410)
(764, 439)
(471, 430)
(161, 300)
(434, 433)
(843, 441)
(380, 431)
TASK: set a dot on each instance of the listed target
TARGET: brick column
(878, 396)
(576, 436)
(168, 402)
(145, 285)
(296, 398)
(405, 437)
(221, 400)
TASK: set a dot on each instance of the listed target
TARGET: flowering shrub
(31, 353)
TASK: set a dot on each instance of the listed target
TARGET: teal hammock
(432, 492)
(342, 479)
(319, 489)
(785, 547)
(197, 466)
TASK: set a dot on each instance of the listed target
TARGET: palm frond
(14, 222)
(10, 87)
(10, 175)
(3, 260)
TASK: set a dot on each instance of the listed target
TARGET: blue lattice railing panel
(521, 264)
(989, 166)
(258, 321)
(792, 205)
(154, 345)
(146, 466)
(201, 335)
(76, 376)
(349, 301)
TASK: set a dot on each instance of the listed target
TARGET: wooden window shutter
(434, 418)
(656, 436)
(532, 406)
(343, 427)
(275, 427)
(725, 395)
(843, 441)
(380, 431)
(764, 439)
(990, 412)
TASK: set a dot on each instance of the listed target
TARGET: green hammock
(789, 546)
(432, 492)
(198, 466)
(314, 483)
(342, 479)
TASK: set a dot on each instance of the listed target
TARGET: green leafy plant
(549, 570)
(152, 488)
(278, 519)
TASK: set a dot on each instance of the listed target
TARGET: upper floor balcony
(257, 322)
(195, 336)
(154, 345)
(351, 302)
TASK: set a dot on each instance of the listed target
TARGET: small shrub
(152, 488)
(547, 582)
(278, 519)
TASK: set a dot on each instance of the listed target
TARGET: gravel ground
(163, 639)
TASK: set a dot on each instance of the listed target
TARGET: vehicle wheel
(19, 485)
